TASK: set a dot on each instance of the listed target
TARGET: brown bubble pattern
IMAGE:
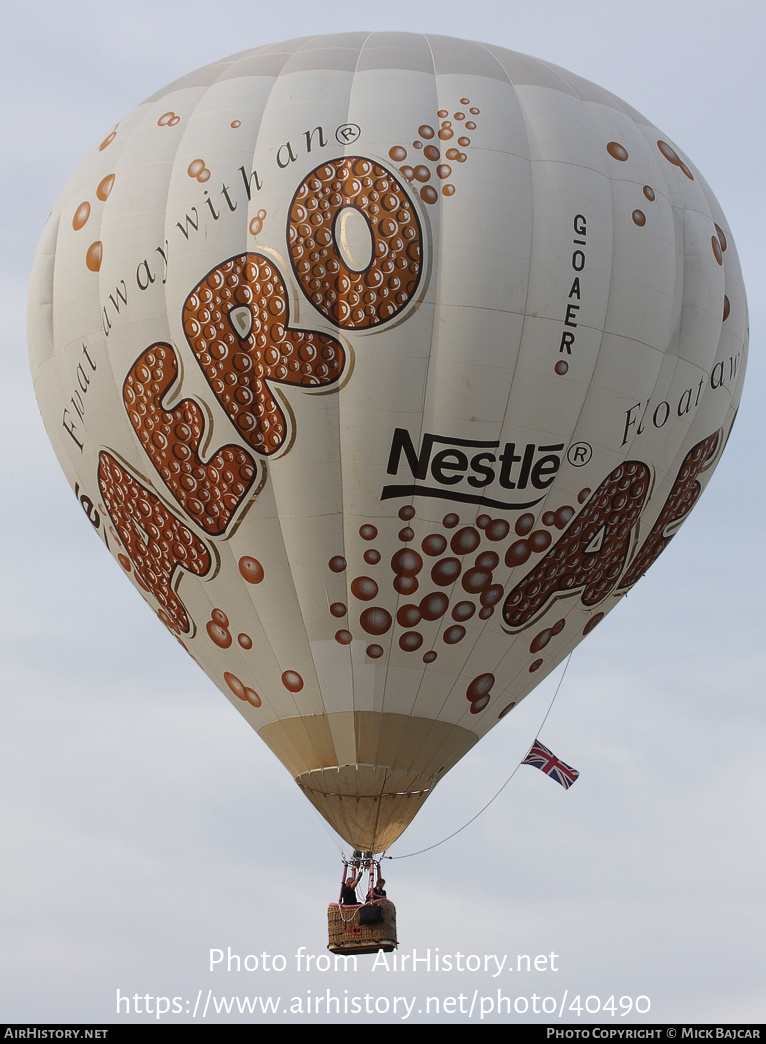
(524, 524)
(409, 615)
(617, 151)
(236, 321)
(218, 629)
(348, 298)
(593, 622)
(364, 588)
(376, 620)
(108, 139)
(251, 569)
(94, 256)
(434, 544)
(210, 493)
(198, 170)
(292, 681)
(465, 540)
(432, 152)
(541, 640)
(106, 185)
(410, 641)
(446, 572)
(478, 692)
(137, 514)
(406, 562)
(256, 223)
(168, 119)
(683, 496)
(591, 554)
(672, 156)
(241, 691)
(81, 216)
(434, 605)
(474, 568)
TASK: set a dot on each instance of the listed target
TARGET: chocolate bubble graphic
(251, 569)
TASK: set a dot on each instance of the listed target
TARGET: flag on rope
(547, 762)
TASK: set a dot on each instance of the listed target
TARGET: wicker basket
(348, 936)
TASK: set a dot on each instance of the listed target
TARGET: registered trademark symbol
(347, 132)
(579, 453)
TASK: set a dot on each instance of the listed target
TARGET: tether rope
(420, 851)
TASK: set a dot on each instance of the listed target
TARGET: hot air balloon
(385, 365)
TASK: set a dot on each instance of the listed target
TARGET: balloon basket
(349, 935)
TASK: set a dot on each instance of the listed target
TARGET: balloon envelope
(385, 365)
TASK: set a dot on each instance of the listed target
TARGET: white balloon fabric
(385, 365)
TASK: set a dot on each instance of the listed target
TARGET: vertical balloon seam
(716, 212)
(434, 264)
(273, 492)
(383, 667)
(339, 524)
(120, 142)
(666, 177)
(342, 441)
(533, 193)
(266, 693)
(627, 448)
(53, 360)
(597, 137)
(351, 666)
(437, 267)
(433, 267)
(190, 106)
(531, 253)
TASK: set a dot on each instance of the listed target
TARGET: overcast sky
(143, 823)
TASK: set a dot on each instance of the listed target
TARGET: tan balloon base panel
(347, 936)
(367, 805)
(367, 773)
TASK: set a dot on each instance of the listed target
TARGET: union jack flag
(547, 762)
